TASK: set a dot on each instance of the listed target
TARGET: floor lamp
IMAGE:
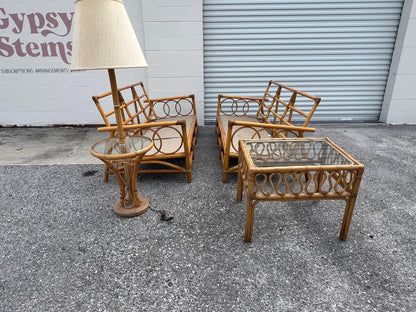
(103, 38)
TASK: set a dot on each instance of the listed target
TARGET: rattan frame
(171, 123)
(125, 168)
(255, 117)
(301, 180)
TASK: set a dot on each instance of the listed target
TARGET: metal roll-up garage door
(338, 50)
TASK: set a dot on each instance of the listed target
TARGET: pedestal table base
(133, 210)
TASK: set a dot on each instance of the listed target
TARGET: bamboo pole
(117, 111)
(121, 135)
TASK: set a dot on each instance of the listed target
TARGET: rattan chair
(281, 112)
(170, 122)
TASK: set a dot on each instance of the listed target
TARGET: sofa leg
(224, 177)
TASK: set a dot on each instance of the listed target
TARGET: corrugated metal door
(338, 50)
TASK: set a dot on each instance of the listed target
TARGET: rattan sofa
(170, 122)
(272, 116)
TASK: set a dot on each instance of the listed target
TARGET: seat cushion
(167, 140)
(166, 146)
(168, 132)
(240, 132)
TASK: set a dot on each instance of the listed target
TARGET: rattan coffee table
(296, 169)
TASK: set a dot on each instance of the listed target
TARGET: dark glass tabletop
(295, 152)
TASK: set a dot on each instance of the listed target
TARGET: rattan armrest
(269, 126)
(251, 98)
(144, 126)
(170, 98)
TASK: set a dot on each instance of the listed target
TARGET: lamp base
(132, 211)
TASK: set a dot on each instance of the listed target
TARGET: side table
(124, 160)
(296, 169)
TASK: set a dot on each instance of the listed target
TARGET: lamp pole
(121, 134)
(100, 27)
(117, 110)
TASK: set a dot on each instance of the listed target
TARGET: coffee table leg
(239, 187)
(249, 220)
(346, 221)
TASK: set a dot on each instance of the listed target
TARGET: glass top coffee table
(296, 169)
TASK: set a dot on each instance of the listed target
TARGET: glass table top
(296, 152)
(112, 147)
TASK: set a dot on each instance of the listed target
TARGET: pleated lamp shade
(103, 37)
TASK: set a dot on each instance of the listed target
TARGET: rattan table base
(124, 159)
(132, 211)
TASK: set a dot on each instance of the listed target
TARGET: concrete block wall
(40, 98)
(400, 99)
(171, 35)
(174, 49)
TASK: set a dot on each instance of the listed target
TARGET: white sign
(36, 85)
(35, 35)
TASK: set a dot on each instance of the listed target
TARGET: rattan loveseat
(170, 122)
(272, 116)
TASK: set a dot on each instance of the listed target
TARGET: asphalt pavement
(63, 248)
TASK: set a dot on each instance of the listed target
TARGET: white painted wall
(399, 105)
(28, 97)
(174, 49)
(171, 35)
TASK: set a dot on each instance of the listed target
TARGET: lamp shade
(103, 37)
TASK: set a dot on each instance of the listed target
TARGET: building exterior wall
(171, 35)
(399, 105)
(36, 86)
(174, 49)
